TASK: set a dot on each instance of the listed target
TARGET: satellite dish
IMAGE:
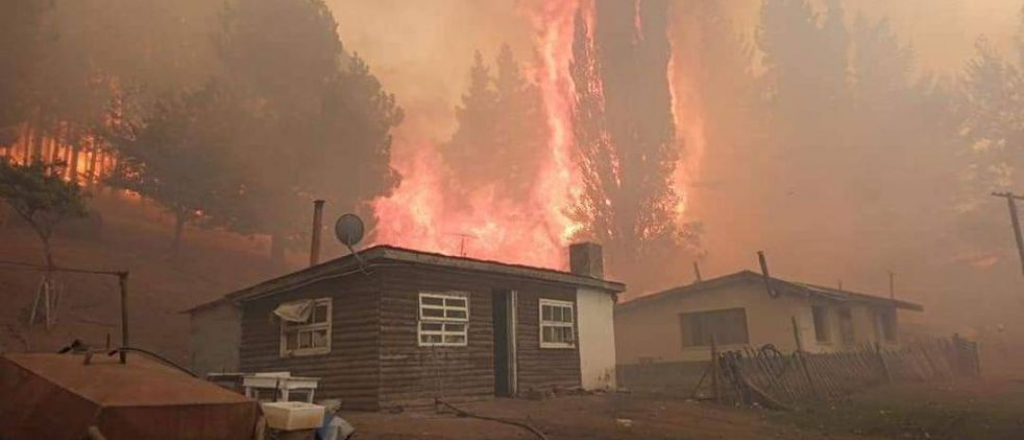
(349, 229)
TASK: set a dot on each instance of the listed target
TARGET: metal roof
(377, 255)
(784, 286)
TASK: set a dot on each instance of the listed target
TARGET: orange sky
(422, 50)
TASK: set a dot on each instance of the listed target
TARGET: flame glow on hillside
(422, 214)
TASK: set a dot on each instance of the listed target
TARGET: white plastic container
(293, 416)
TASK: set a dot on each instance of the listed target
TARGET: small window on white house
(556, 324)
(444, 320)
(310, 336)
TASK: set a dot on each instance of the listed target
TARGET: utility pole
(696, 272)
(1011, 202)
(892, 285)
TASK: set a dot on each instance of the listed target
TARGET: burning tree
(625, 136)
(500, 133)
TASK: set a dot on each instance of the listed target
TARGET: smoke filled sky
(846, 138)
(423, 50)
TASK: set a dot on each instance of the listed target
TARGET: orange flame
(421, 214)
(688, 115)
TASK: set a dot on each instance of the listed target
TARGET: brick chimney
(585, 259)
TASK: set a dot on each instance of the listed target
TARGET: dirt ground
(586, 417)
(991, 408)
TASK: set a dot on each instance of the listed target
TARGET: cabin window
(822, 332)
(846, 325)
(556, 324)
(310, 336)
(444, 320)
(887, 324)
(727, 327)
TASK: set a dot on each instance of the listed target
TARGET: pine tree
(473, 153)
(319, 122)
(520, 129)
(625, 136)
(179, 157)
(501, 130)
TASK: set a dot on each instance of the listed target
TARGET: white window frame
(290, 327)
(542, 323)
(444, 321)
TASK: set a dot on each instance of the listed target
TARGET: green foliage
(37, 193)
(179, 156)
(318, 122)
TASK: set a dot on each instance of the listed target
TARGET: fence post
(715, 370)
(800, 358)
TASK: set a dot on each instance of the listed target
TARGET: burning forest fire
(421, 214)
(426, 212)
(687, 115)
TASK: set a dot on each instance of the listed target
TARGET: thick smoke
(836, 200)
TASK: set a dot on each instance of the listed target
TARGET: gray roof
(349, 265)
(783, 286)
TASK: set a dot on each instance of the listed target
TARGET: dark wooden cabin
(402, 327)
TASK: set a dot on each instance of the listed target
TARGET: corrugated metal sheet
(55, 396)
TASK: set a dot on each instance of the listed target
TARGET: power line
(44, 268)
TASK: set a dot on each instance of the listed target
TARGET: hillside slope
(134, 236)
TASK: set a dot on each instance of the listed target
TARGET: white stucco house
(678, 325)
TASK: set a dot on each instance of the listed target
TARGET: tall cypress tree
(626, 136)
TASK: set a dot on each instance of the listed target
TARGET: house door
(504, 307)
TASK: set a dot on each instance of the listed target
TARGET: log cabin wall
(375, 360)
(351, 370)
(544, 369)
(412, 375)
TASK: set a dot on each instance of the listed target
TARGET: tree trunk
(47, 252)
(67, 160)
(26, 145)
(101, 165)
(37, 148)
(73, 164)
(54, 150)
(91, 169)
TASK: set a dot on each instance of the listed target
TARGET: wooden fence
(770, 378)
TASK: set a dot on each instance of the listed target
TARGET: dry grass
(134, 236)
